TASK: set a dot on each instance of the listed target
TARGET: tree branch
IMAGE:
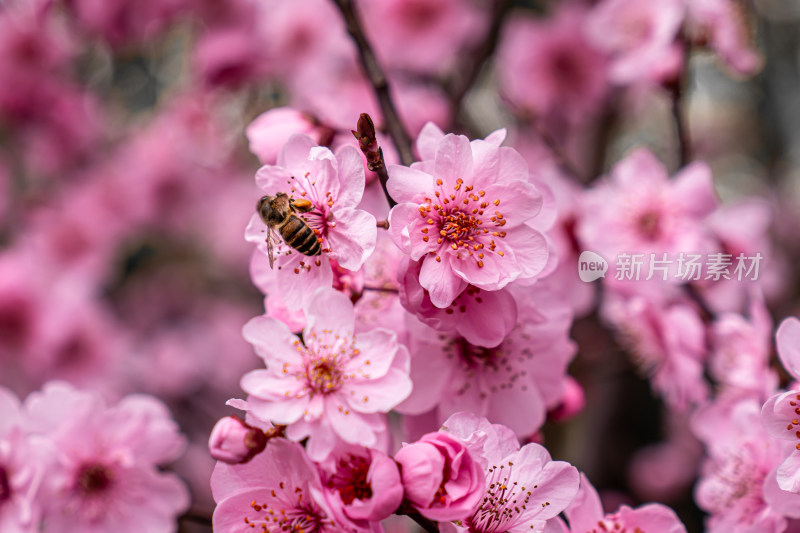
(378, 80)
(676, 89)
(464, 77)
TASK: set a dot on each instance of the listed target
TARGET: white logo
(591, 266)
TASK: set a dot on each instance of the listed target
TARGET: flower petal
(351, 236)
(438, 279)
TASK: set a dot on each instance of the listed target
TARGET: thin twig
(676, 89)
(378, 80)
(464, 77)
(381, 289)
(382, 224)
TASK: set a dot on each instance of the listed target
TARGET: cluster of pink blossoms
(69, 463)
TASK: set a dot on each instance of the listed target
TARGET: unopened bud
(233, 441)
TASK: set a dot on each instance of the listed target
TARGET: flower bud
(440, 478)
(233, 441)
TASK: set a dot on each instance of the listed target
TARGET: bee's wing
(272, 240)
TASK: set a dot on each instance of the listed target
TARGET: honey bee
(278, 213)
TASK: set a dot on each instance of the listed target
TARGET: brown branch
(558, 153)
(378, 80)
(198, 516)
(424, 523)
(464, 77)
(382, 224)
(676, 89)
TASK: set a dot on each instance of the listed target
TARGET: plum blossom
(234, 441)
(334, 185)
(739, 358)
(107, 476)
(421, 35)
(334, 385)
(667, 339)
(440, 477)
(483, 318)
(738, 484)
(585, 514)
(722, 24)
(24, 462)
(524, 487)
(362, 485)
(638, 36)
(279, 490)
(781, 412)
(638, 208)
(528, 368)
(270, 130)
(547, 67)
(463, 212)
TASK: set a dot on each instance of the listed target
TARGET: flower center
(5, 486)
(649, 225)
(93, 479)
(292, 511)
(463, 219)
(792, 426)
(324, 375)
(504, 502)
(350, 479)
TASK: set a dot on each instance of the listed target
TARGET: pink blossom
(270, 130)
(637, 35)
(24, 463)
(363, 485)
(527, 368)
(781, 412)
(639, 209)
(547, 67)
(723, 25)
(233, 441)
(121, 22)
(739, 358)
(668, 341)
(421, 35)
(743, 228)
(483, 318)
(107, 476)
(440, 477)
(301, 39)
(585, 513)
(279, 490)
(229, 56)
(738, 485)
(524, 487)
(333, 387)
(334, 185)
(464, 212)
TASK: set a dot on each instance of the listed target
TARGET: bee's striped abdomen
(299, 236)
